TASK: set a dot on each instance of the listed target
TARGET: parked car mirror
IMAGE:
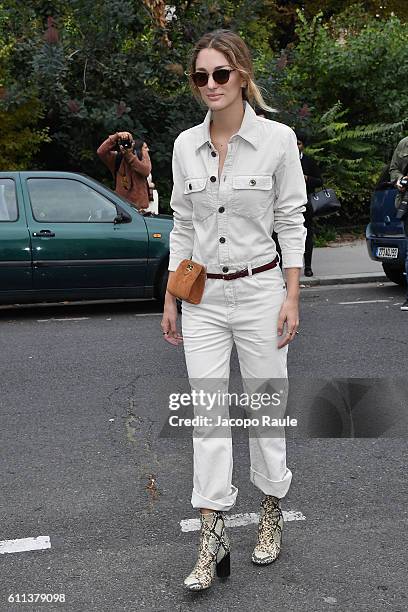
(122, 217)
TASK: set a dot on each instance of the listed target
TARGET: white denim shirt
(227, 224)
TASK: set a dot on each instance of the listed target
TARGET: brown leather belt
(241, 273)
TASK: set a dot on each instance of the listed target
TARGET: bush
(20, 138)
(333, 86)
(102, 66)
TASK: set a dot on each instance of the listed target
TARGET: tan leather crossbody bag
(188, 281)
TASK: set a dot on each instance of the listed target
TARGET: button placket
(223, 235)
(211, 166)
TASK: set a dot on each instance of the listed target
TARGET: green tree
(97, 67)
(102, 66)
(350, 158)
(282, 16)
(357, 59)
(20, 138)
(342, 84)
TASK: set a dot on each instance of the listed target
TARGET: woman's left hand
(288, 313)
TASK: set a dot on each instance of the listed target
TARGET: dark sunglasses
(220, 76)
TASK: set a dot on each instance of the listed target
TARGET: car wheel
(395, 274)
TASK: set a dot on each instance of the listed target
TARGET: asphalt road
(84, 461)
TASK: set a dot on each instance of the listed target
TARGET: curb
(343, 279)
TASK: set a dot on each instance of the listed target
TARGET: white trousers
(244, 311)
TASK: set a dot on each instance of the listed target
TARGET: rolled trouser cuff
(278, 488)
(222, 504)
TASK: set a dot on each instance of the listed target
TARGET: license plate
(387, 252)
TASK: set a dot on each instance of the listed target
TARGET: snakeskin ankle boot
(213, 554)
(269, 531)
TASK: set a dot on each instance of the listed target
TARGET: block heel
(224, 567)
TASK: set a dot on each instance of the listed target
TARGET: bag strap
(118, 161)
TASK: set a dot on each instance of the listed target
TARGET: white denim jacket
(227, 224)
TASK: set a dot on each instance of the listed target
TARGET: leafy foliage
(353, 107)
(87, 69)
(350, 159)
(20, 139)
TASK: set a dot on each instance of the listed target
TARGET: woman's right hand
(169, 321)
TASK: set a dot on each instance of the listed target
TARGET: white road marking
(238, 520)
(364, 302)
(148, 314)
(64, 319)
(24, 544)
(330, 600)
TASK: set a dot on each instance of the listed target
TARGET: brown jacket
(131, 179)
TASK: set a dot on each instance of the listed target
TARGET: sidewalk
(341, 263)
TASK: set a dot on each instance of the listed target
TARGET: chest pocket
(200, 199)
(251, 194)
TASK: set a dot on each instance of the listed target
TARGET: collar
(300, 154)
(248, 130)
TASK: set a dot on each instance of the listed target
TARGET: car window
(68, 201)
(8, 200)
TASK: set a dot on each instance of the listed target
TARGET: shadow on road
(78, 309)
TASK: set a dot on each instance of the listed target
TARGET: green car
(64, 236)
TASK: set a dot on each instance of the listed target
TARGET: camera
(126, 143)
(404, 182)
(403, 207)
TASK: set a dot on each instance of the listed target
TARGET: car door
(76, 242)
(15, 248)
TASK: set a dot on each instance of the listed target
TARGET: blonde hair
(239, 57)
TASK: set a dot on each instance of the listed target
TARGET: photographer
(399, 175)
(130, 167)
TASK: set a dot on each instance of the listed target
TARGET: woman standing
(237, 177)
